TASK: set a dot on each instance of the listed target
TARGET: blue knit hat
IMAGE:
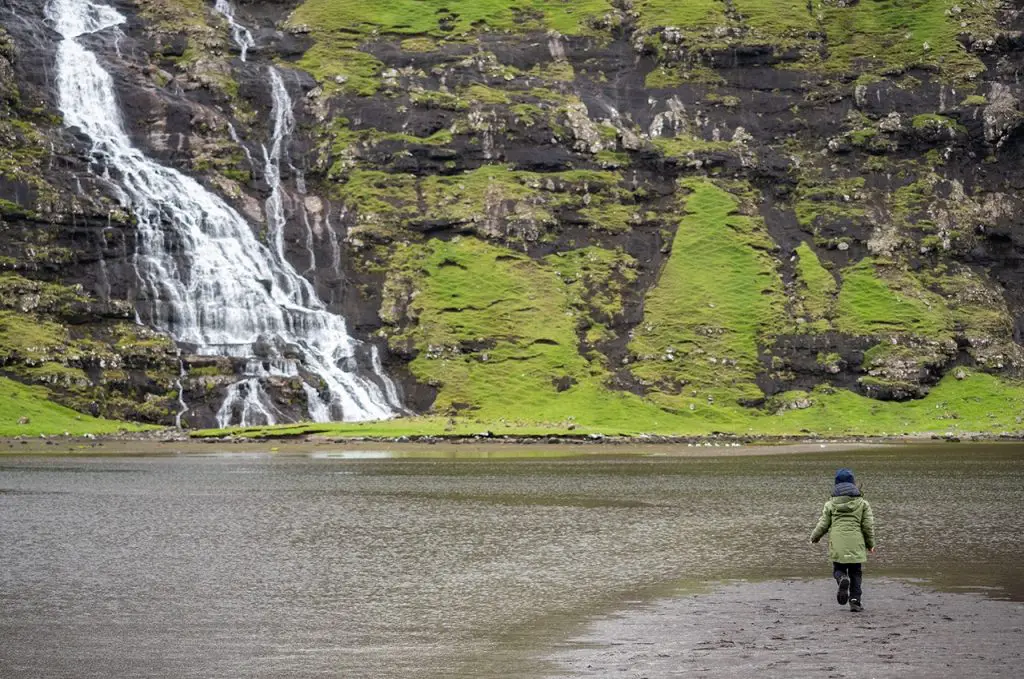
(844, 475)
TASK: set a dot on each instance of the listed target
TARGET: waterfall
(182, 405)
(239, 33)
(284, 124)
(205, 278)
(235, 138)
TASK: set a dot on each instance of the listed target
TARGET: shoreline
(181, 443)
(793, 628)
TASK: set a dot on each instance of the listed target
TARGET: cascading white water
(284, 124)
(274, 207)
(182, 404)
(206, 279)
(239, 33)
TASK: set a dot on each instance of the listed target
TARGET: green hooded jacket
(850, 526)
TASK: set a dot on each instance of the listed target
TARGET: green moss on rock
(448, 18)
(496, 333)
(876, 300)
(718, 297)
(493, 200)
(816, 286)
(26, 411)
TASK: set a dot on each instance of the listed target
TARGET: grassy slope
(499, 332)
(426, 16)
(339, 28)
(719, 295)
(816, 287)
(45, 417)
(978, 403)
(870, 303)
(880, 36)
(903, 33)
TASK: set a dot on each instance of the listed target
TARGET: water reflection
(356, 565)
(458, 452)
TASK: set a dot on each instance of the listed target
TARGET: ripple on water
(439, 567)
(233, 455)
(352, 455)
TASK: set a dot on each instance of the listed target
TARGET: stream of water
(348, 563)
(205, 278)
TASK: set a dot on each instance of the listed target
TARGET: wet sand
(795, 628)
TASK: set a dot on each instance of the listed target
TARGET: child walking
(850, 525)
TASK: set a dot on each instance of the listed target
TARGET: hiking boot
(855, 606)
(843, 595)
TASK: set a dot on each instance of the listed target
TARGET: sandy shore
(795, 628)
(177, 442)
(59, 445)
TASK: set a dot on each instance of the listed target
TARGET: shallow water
(349, 564)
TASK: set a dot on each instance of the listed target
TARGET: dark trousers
(852, 571)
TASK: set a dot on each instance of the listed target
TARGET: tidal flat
(434, 561)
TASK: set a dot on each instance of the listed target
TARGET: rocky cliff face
(608, 209)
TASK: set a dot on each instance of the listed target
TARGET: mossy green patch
(866, 138)
(876, 37)
(383, 202)
(816, 286)
(876, 300)
(927, 120)
(978, 403)
(476, 196)
(167, 19)
(936, 126)
(613, 160)
(439, 99)
(25, 295)
(701, 26)
(668, 76)
(977, 305)
(895, 35)
(527, 114)
(818, 201)
(611, 217)
(784, 23)
(692, 15)
(44, 340)
(487, 95)
(496, 334)
(25, 338)
(26, 411)
(341, 29)
(419, 44)
(718, 297)
(23, 141)
(446, 18)
(175, 15)
(686, 147)
(337, 62)
(597, 280)
(347, 145)
(493, 199)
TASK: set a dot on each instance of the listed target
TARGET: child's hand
(872, 550)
